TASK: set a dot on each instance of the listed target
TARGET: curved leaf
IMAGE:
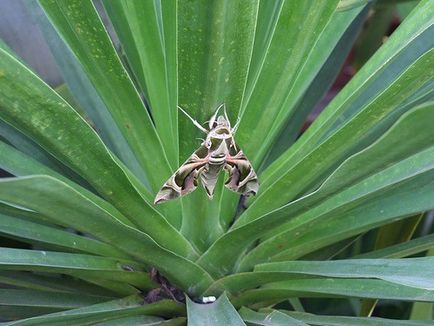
(294, 180)
(130, 306)
(225, 252)
(31, 106)
(150, 45)
(215, 41)
(332, 288)
(80, 26)
(274, 87)
(65, 206)
(414, 272)
(322, 320)
(274, 318)
(75, 264)
(36, 233)
(84, 92)
(405, 249)
(220, 312)
(61, 301)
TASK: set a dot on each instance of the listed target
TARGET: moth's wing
(242, 177)
(185, 179)
(209, 177)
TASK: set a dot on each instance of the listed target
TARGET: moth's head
(222, 122)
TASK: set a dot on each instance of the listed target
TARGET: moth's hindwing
(242, 177)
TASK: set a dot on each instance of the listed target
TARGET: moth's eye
(208, 144)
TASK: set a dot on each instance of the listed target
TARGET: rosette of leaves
(89, 247)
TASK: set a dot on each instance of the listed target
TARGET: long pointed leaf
(354, 170)
(40, 234)
(151, 44)
(84, 92)
(130, 306)
(331, 288)
(215, 41)
(220, 312)
(273, 92)
(32, 107)
(65, 206)
(74, 264)
(80, 26)
(323, 320)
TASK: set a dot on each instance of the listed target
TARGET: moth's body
(217, 152)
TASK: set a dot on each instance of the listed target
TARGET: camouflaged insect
(217, 152)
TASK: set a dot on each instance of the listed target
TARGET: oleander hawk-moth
(216, 153)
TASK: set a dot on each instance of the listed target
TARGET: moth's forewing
(242, 177)
(185, 179)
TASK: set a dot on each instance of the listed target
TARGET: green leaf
(36, 233)
(274, 318)
(34, 108)
(215, 41)
(281, 72)
(362, 166)
(55, 283)
(84, 92)
(322, 320)
(350, 4)
(151, 45)
(32, 298)
(77, 265)
(130, 306)
(293, 181)
(133, 321)
(334, 44)
(19, 164)
(220, 312)
(405, 249)
(27, 146)
(80, 26)
(414, 272)
(65, 206)
(403, 199)
(332, 288)
(373, 100)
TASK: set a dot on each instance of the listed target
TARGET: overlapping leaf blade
(273, 86)
(84, 92)
(112, 310)
(395, 59)
(77, 265)
(331, 288)
(150, 46)
(220, 312)
(80, 26)
(66, 206)
(31, 106)
(222, 255)
(215, 41)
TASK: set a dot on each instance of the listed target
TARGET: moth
(217, 152)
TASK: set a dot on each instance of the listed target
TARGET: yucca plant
(93, 248)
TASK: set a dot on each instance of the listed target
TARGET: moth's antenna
(197, 124)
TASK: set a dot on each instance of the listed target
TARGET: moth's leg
(237, 124)
(197, 124)
(214, 116)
